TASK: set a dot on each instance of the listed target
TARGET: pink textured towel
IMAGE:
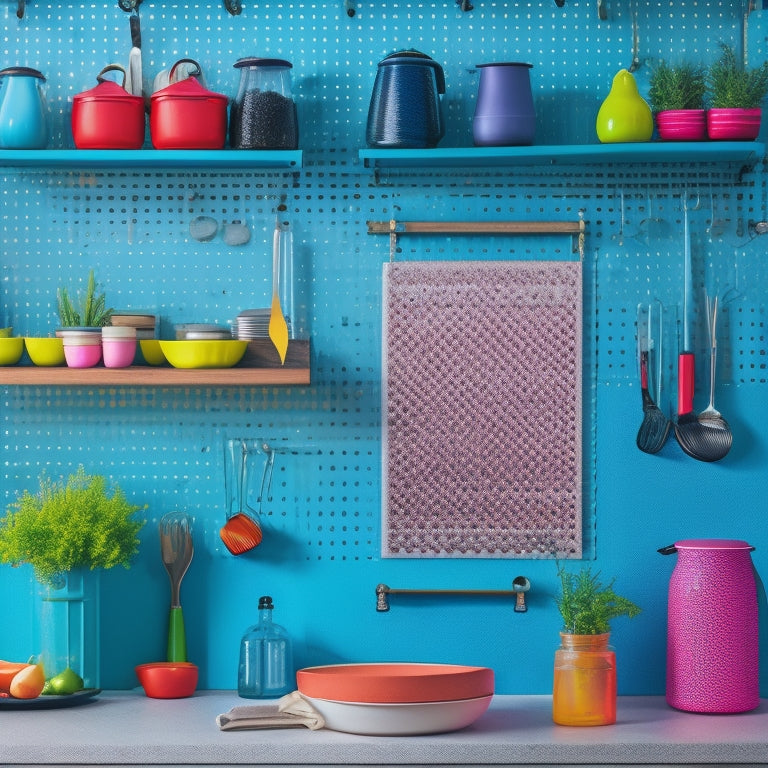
(482, 399)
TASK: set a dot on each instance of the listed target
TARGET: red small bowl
(168, 679)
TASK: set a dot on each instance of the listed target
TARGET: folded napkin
(291, 711)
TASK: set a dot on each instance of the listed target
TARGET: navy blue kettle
(405, 110)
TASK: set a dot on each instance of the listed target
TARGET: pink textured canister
(712, 627)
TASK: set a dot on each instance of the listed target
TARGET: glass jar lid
(256, 61)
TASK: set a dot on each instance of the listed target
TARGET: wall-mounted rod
(474, 227)
(395, 228)
(520, 585)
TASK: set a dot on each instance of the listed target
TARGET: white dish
(400, 719)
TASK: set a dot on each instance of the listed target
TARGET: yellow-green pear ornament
(624, 115)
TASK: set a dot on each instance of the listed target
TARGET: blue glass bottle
(266, 658)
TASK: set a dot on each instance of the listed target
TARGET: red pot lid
(107, 90)
(189, 88)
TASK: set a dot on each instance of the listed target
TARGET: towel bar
(520, 585)
(394, 228)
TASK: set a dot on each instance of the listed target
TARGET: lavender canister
(712, 627)
(504, 115)
(263, 114)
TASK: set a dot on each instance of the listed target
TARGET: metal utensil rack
(393, 228)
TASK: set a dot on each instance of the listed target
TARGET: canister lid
(712, 544)
(506, 64)
(256, 61)
(25, 71)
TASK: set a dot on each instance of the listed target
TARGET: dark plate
(50, 702)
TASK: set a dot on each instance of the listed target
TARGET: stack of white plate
(252, 324)
(201, 332)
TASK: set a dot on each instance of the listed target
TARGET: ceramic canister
(712, 627)
(504, 114)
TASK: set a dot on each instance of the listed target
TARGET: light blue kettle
(23, 112)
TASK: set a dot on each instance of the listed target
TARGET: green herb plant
(587, 606)
(731, 85)
(91, 312)
(72, 524)
(681, 86)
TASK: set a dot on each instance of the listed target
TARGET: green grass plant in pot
(736, 93)
(81, 324)
(584, 688)
(677, 100)
(68, 531)
(89, 311)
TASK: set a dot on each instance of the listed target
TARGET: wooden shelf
(260, 367)
(740, 156)
(128, 159)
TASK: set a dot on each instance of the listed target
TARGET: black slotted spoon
(655, 426)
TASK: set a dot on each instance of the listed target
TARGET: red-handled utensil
(697, 440)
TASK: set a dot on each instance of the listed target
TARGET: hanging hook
(234, 7)
(129, 5)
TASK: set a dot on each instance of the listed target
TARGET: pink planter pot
(734, 124)
(682, 124)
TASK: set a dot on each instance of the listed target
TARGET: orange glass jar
(584, 689)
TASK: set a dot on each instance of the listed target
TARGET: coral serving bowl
(395, 683)
(401, 699)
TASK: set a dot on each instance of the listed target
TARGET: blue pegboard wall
(165, 446)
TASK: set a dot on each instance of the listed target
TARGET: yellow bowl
(11, 350)
(45, 352)
(150, 348)
(209, 353)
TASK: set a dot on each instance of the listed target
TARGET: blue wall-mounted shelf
(151, 158)
(741, 156)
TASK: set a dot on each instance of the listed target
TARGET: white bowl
(400, 719)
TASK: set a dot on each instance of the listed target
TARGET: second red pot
(185, 115)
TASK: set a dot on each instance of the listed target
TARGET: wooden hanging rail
(475, 227)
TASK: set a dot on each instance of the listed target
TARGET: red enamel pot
(185, 115)
(107, 116)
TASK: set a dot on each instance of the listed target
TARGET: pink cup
(82, 355)
(119, 354)
(119, 346)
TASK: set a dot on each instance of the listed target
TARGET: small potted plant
(736, 93)
(81, 324)
(677, 100)
(68, 532)
(91, 310)
(584, 690)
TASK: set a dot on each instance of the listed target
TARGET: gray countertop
(126, 728)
